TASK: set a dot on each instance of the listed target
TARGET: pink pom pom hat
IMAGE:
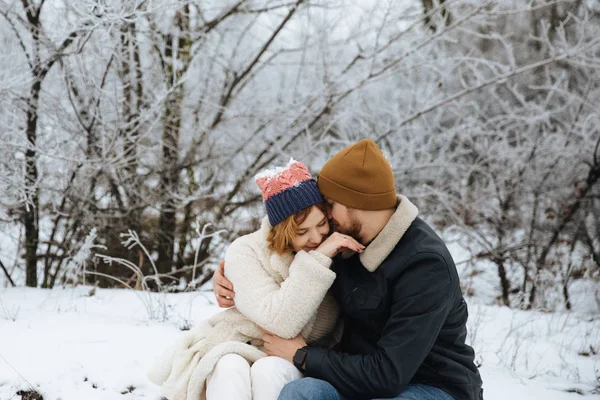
(287, 190)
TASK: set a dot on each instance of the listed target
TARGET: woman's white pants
(233, 378)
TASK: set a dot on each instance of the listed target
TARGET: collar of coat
(383, 244)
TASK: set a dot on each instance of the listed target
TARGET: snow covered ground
(85, 343)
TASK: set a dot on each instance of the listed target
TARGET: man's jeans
(316, 389)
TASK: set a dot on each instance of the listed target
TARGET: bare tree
(160, 119)
(41, 56)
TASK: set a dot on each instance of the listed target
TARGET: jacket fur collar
(383, 244)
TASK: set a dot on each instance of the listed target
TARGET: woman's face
(312, 231)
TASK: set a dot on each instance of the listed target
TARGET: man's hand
(223, 288)
(283, 348)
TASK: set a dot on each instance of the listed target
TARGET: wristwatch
(300, 357)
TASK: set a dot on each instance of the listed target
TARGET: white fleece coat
(283, 294)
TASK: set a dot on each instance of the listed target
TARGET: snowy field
(488, 111)
(86, 343)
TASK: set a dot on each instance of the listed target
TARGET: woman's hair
(281, 235)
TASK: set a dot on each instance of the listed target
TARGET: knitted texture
(272, 182)
(360, 177)
(323, 322)
(287, 191)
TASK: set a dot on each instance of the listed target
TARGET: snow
(89, 343)
(86, 343)
(9, 251)
(273, 172)
(64, 341)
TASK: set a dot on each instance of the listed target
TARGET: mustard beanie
(359, 177)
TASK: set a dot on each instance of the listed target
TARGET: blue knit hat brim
(292, 200)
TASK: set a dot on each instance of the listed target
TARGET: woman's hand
(223, 288)
(337, 243)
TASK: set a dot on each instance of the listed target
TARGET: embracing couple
(368, 309)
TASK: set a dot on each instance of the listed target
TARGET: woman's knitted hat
(287, 190)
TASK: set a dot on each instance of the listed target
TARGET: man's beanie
(287, 190)
(359, 177)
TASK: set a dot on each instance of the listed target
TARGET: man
(403, 311)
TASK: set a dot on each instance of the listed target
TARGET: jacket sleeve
(283, 310)
(420, 304)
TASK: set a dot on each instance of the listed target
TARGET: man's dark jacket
(404, 323)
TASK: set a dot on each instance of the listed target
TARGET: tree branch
(238, 78)
(496, 79)
(7, 274)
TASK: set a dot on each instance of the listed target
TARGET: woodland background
(130, 130)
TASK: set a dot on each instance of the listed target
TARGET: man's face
(344, 219)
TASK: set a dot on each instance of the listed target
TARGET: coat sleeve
(420, 304)
(283, 310)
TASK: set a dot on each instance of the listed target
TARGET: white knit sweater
(283, 294)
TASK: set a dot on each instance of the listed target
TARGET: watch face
(300, 356)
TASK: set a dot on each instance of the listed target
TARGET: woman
(281, 275)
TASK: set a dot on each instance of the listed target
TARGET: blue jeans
(316, 389)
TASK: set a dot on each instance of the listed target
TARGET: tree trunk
(39, 71)
(566, 294)
(131, 77)
(177, 59)
(31, 212)
(31, 215)
(504, 284)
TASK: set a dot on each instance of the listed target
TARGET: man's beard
(353, 230)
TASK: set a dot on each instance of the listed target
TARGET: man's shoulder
(421, 238)
(420, 244)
